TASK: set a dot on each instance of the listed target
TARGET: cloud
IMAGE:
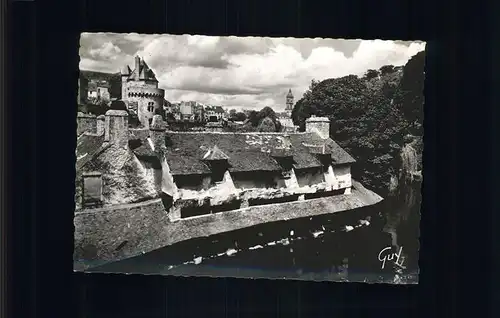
(248, 72)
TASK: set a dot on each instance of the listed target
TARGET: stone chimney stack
(157, 132)
(101, 122)
(116, 128)
(319, 125)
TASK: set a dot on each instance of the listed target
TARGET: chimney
(157, 132)
(319, 125)
(100, 124)
(116, 128)
(86, 123)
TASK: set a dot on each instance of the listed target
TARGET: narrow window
(92, 189)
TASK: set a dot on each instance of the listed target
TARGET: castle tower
(140, 92)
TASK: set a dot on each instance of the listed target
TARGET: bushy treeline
(370, 115)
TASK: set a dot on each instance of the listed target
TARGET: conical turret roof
(125, 70)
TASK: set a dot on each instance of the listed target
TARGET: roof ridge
(239, 133)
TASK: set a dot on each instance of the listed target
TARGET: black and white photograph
(249, 157)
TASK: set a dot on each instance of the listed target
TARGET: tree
(387, 69)
(170, 117)
(240, 116)
(232, 112)
(267, 112)
(369, 115)
(371, 74)
(266, 125)
(118, 105)
(253, 118)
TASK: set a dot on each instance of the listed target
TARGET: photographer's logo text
(388, 255)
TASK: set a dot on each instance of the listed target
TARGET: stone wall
(98, 239)
(115, 233)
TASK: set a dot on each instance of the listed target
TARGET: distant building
(215, 113)
(173, 109)
(167, 107)
(192, 111)
(98, 87)
(286, 117)
(186, 110)
(97, 92)
(199, 113)
(140, 91)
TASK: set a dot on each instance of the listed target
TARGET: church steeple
(289, 101)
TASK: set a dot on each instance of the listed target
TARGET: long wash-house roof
(185, 151)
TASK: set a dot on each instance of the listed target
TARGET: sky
(240, 72)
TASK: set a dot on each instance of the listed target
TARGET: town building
(98, 91)
(215, 113)
(98, 87)
(174, 109)
(285, 118)
(140, 91)
(191, 111)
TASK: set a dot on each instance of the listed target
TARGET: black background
(460, 116)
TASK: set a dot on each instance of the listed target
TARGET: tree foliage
(255, 118)
(370, 115)
(239, 116)
(267, 125)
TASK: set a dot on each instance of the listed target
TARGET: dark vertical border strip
(4, 217)
(22, 155)
(57, 74)
(495, 155)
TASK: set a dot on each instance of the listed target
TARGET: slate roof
(86, 148)
(186, 151)
(142, 148)
(246, 151)
(143, 73)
